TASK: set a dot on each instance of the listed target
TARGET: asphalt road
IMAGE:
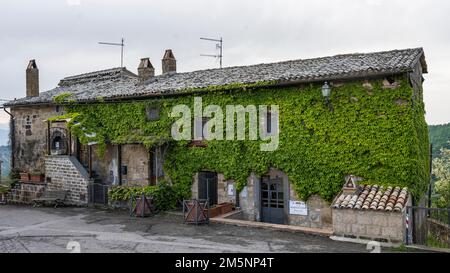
(27, 229)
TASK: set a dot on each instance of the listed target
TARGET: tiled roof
(120, 83)
(374, 197)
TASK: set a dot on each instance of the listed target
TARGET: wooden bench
(56, 197)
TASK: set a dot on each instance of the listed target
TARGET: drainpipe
(12, 135)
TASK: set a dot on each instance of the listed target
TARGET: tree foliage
(441, 172)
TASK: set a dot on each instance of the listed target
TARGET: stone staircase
(67, 173)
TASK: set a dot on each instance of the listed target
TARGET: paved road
(26, 229)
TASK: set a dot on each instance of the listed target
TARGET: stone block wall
(31, 136)
(440, 231)
(369, 224)
(26, 192)
(66, 173)
(318, 215)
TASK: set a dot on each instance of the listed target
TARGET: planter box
(214, 211)
(225, 207)
(24, 176)
(196, 215)
(37, 178)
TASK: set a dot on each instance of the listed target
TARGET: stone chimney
(169, 64)
(32, 79)
(145, 70)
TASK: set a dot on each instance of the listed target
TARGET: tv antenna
(218, 46)
(121, 44)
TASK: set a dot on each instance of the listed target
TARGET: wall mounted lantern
(326, 91)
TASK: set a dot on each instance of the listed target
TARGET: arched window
(58, 143)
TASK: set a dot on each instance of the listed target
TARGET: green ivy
(367, 134)
(62, 97)
(164, 197)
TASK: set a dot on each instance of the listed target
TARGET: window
(152, 113)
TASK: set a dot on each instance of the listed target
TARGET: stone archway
(58, 142)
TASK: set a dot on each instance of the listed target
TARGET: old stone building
(324, 103)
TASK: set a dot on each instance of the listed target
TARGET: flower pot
(37, 177)
(24, 176)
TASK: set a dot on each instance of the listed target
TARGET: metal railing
(98, 193)
(428, 226)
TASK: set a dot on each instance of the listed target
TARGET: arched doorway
(58, 143)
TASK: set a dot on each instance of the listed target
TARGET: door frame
(215, 200)
(286, 189)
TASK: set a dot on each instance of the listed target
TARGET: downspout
(12, 136)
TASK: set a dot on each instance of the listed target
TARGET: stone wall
(135, 158)
(440, 231)
(26, 192)
(369, 224)
(30, 130)
(318, 213)
(66, 173)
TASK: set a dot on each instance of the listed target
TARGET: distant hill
(5, 156)
(439, 137)
(4, 137)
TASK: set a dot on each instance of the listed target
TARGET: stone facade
(30, 136)
(135, 159)
(66, 173)
(249, 204)
(369, 224)
(318, 213)
(26, 192)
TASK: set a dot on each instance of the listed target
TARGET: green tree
(441, 172)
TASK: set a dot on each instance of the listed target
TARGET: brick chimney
(145, 70)
(32, 79)
(169, 64)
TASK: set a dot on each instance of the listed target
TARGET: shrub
(163, 194)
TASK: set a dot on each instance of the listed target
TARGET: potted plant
(3, 192)
(24, 176)
(37, 176)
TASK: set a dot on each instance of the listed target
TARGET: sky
(63, 36)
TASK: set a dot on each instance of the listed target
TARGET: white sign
(230, 190)
(244, 192)
(298, 208)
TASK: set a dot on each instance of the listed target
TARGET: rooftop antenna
(218, 46)
(121, 49)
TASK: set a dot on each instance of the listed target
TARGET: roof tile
(373, 197)
(121, 83)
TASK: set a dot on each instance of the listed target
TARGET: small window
(58, 108)
(28, 120)
(152, 113)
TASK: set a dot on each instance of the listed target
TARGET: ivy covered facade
(372, 127)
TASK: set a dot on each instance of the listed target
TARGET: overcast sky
(62, 36)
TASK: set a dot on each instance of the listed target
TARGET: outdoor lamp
(326, 91)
